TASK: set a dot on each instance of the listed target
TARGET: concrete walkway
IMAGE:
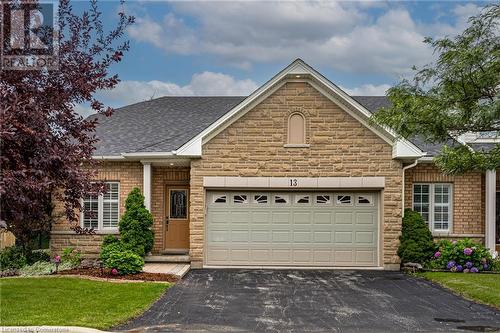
(175, 269)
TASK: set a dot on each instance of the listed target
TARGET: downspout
(403, 191)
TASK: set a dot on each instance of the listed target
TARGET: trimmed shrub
(38, 255)
(462, 256)
(135, 225)
(126, 262)
(12, 258)
(109, 248)
(416, 243)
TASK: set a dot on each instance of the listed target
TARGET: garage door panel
(281, 236)
(281, 217)
(240, 217)
(261, 217)
(281, 256)
(323, 257)
(292, 233)
(302, 256)
(322, 218)
(365, 237)
(343, 218)
(323, 237)
(260, 236)
(302, 236)
(219, 236)
(343, 237)
(365, 218)
(301, 217)
(365, 256)
(239, 236)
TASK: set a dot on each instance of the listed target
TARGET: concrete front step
(168, 258)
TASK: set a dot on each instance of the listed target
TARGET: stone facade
(339, 147)
(468, 198)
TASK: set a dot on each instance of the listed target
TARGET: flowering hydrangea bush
(461, 256)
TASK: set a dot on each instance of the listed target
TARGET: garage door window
(365, 200)
(302, 199)
(433, 202)
(240, 199)
(219, 199)
(323, 199)
(260, 199)
(344, 200)
(281, 199)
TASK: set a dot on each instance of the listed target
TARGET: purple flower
(57, 259)
(459, 268)
(474, 270)
(485, 266)
(469, 264)
(466, 270)
(114, 271)
(437, 254)
(467, 251)
(450, 264)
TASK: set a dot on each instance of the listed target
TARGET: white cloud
(340, 35)
(368, 90)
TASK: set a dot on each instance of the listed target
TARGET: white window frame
(100, 210)
(432, 205)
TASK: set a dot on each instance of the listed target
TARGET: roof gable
(300, 71)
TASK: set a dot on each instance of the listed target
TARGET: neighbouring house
(292, 175)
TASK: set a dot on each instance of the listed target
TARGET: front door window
(178, 204)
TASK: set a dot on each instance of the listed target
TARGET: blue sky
(230, 48)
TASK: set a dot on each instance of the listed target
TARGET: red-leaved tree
(46, 147)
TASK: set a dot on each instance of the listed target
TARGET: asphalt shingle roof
(160, 125)
(166, 123)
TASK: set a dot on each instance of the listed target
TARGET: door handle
(166, 224)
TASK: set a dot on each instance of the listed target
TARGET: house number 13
(294, 182)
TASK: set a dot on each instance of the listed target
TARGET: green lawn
(73, 301)
(484, 288)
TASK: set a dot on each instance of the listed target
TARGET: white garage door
(292, 228)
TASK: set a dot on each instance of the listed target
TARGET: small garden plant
(461, 256)
(125, 255)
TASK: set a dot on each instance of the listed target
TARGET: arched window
(296, 129)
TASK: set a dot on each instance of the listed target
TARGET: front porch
(166, 195)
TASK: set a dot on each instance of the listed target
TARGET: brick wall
(130, 175)
(468, 194)
(339, 146)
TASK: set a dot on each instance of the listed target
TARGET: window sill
(297, 145)
(445, 234)
(97, 232)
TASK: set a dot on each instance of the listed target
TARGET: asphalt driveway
(311, 301)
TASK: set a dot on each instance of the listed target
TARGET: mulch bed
(105, 273)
